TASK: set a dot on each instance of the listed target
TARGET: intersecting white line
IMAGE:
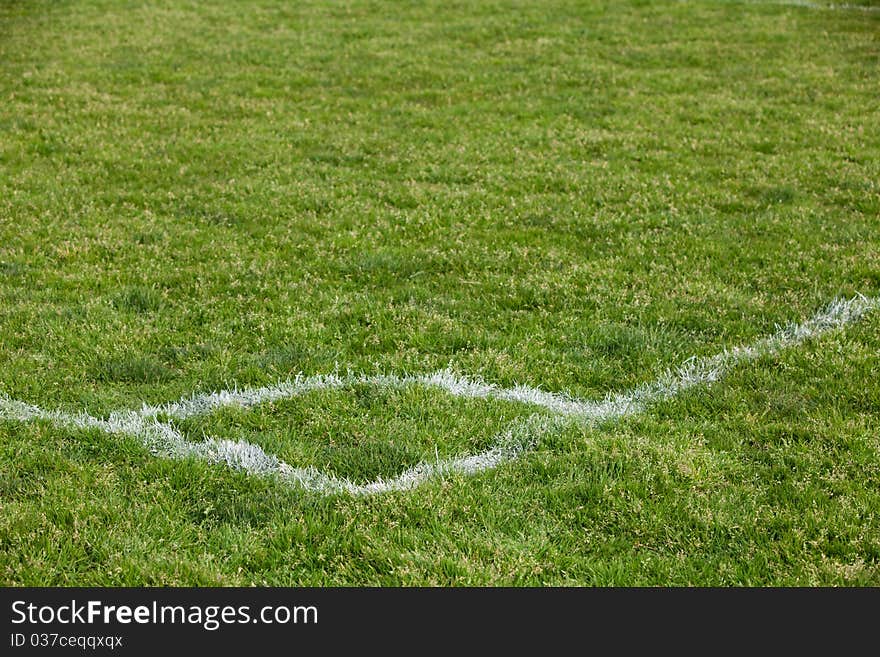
(163, 439)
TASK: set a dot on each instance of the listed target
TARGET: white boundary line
(819, 5)
(163, 439)
(806, 4)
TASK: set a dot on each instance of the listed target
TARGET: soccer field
(439, 293)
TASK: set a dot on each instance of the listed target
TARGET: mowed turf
(569, 195)
(364, 432)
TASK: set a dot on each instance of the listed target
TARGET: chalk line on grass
(163, 439)
(826, 6)
(807, 4)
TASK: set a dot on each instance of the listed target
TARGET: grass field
(569, 195)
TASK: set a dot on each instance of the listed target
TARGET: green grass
(363, 432)
(573, 195)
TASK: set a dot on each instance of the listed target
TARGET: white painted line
(807, 4)
(163, 439)
(826, 6)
